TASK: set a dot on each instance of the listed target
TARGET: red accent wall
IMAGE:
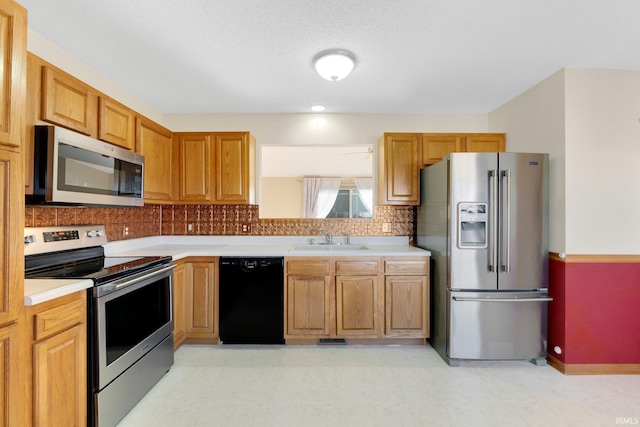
(595, 315)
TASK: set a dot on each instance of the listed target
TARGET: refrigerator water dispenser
(472, 225)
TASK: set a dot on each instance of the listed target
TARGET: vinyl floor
(395, 386)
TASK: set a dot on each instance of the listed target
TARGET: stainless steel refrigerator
(484, 217)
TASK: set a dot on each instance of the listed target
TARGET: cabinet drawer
(407, 266)
(308, 267)
(356, 267)
(59, 318)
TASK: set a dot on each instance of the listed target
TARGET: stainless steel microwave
(71, 168)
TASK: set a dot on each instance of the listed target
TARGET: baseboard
(361, 341)
(594, 368)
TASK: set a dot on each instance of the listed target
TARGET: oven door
(131, 320)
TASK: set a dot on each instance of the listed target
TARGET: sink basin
(329, 248)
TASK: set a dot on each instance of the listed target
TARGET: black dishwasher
(251, 300)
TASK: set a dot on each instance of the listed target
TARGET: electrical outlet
(125, 231)
(190, 228)
(246, 227)
(386, 227)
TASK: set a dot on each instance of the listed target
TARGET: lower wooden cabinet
(407, 297)
(9, 387)
(55, 333)
(308, 297)
(195, 307)
(356, 297)
(181, 276)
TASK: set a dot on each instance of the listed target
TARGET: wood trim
(594, 368)
(620, 258)
(361, 341)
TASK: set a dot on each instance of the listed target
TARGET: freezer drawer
(497, 325)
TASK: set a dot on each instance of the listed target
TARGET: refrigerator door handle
(503, 299)
(506, 222)
(493, 247)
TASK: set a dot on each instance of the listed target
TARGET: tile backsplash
(212, 220)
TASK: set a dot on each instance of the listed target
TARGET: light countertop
(178, 247)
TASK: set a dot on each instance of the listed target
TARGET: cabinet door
(488, 143)
(155, 143)
(437, 145)
(399, 180)
(200, 302)
(195, 167)
(13, 53)
(11, 224)
(357, 306)
(308, 306)
(406, 306)
(68, 102)
(181, 277)
(9, 390)
(232, 183)
(116, 123)
(59, 379)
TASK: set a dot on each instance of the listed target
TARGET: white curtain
(365, 191)
(318, 196)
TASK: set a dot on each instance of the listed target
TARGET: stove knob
(95, 233)
(29, 239)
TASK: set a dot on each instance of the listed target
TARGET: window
(349, 205)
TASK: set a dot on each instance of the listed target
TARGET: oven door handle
(141, 278)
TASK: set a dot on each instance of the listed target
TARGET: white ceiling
(413, 56)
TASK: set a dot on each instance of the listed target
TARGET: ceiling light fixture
(334, 64)
(317, 108)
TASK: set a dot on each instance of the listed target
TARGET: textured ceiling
(413, 56)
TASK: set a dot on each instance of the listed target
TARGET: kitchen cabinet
(358, 305)
(181, 277)
(356, 297)
(55, 333)
(13, 51)
(308, 297)
(155, 143)
(406, 297)
(195, 157)
(398, 170)
(10, 380)
(68, 102)
(116, 123)
(216, 168)
(201, 301)
(435, 146)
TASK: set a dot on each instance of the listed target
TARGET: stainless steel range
(130, 313)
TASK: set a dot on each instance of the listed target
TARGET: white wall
(329, 129)
(603, 161)
(535, 122)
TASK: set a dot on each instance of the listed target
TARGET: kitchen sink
(329, 248)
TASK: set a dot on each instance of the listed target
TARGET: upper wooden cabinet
(68, 102)
(116, 123)
(13, 53)
(398, 171)
(485, 142)
(234, 167)
(57, 97)
(216, 167)
(435, 146)
(155, 143)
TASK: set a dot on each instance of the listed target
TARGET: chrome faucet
(327, 235)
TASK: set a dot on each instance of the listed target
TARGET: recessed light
(318, 108)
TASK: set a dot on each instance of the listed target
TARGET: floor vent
(332, 341)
